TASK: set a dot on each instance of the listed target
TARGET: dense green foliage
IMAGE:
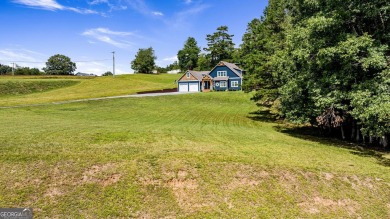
(144, 61)
(59, 65)
(107, 73)
(32, 86)
(27, 71)
(324, 63)
(220, 45)
(204, 63)
(5, 69)
(188, 56)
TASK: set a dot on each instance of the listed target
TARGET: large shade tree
(144, 61)
(59, 65)
(220, 45)
(188, 56)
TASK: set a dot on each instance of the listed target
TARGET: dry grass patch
(102, 174)
(322, 205)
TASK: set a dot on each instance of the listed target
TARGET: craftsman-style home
(224, 76)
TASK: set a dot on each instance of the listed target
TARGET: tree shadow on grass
(314, 134)
(262, 116)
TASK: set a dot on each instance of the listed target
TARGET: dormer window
(188, 75)
(221, 73)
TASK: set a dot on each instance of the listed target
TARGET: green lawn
(84, 87)
(204, 155)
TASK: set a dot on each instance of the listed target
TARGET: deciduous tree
(59, 65)
(144, 61)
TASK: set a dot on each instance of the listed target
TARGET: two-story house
(224, 76)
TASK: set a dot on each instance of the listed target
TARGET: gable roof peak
(230, 65)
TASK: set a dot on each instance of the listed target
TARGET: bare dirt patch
(244, 176)
(101, 174)
(240, 182)
(327, 176)
(358, 183)
(185, 189)
(114, 178)
(53, 192)
(320, 204)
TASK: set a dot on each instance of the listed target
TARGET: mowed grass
(198, 155)
(82, 87)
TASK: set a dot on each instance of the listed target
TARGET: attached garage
(188, 87)
(183, 87)
(190, 81)
(193, 87)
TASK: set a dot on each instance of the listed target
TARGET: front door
(207, 85)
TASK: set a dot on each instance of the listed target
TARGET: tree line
(18, 70)
(324, 63)
(220, 47)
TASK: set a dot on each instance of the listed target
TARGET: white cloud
(53, 5)
(157, 13)
(166, 61)
(171, 59)
(96, 2)
(187, 2)
(181, 19)
(108, 31)
(22, 57)
(108, 36)
(113, 5)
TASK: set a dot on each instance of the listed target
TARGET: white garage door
(183, 87)
(194, 87)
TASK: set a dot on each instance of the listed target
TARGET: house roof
(199, 74)
(233, 67)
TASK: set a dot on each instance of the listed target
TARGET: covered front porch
(207, 84)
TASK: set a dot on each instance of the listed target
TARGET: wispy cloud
(181, 18)
(22, 57)
(53, 5)
(157, 13)
(115, 38)
(166, 61)
(171, 59)
(187, 2)
(113, 5)
(141, 7)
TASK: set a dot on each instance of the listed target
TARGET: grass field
(82, 87)
(204, 155)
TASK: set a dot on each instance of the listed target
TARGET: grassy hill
(35, 89)
(204, 155)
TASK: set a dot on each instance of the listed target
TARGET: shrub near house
(224, 76)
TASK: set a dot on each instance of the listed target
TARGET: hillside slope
(204, 155)
(87, 87)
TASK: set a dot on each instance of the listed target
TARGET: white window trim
(221, 73)
(234, 83)
(223, 83)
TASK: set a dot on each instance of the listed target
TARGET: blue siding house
(224, 76)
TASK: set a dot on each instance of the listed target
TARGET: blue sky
(88, 31)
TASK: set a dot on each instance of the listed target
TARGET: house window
(221, 73)
(188, 75)
(234, 84)
(223, 84)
